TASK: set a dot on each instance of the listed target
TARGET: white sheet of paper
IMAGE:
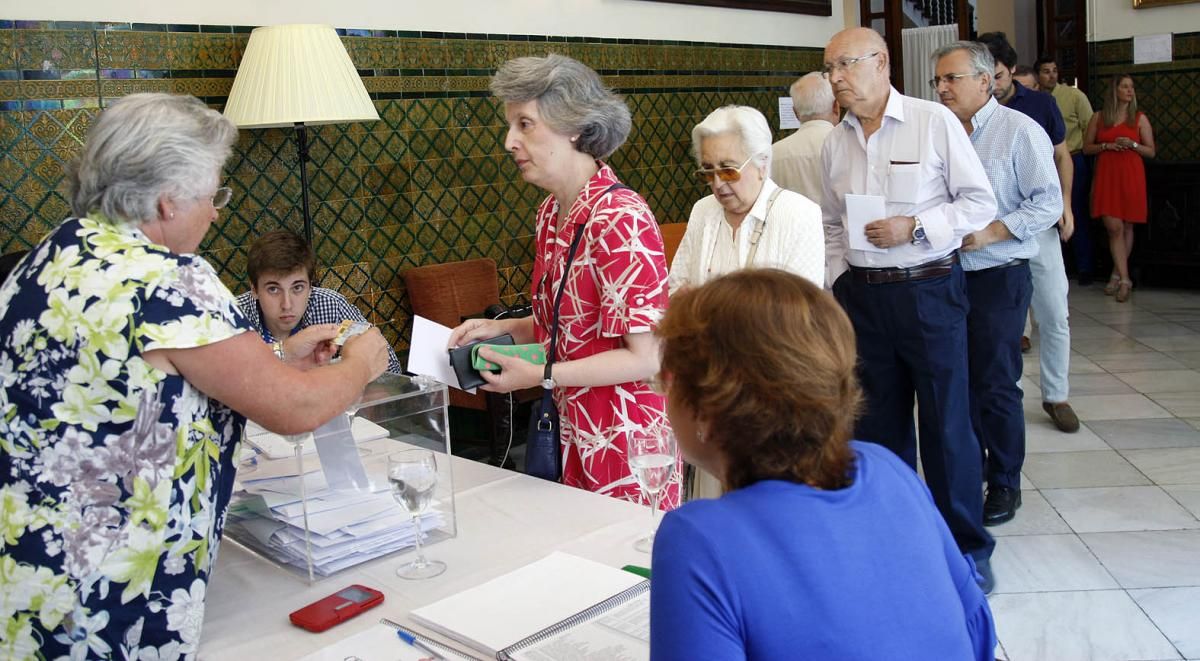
(1150, 48)
(427, 352)
(860, 210)
(787, 116)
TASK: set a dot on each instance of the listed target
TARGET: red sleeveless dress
(1119, 181)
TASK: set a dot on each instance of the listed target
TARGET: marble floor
(1103, 558)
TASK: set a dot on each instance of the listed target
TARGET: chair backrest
(672, 234)
(445, 293)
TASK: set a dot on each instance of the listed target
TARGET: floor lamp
(301, 76)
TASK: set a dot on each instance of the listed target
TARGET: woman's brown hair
(1111, 104)
(766, 361)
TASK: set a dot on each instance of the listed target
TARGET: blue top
(780, 570)
(1019, 161)
(1041, 108)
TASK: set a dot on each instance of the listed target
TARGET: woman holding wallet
(821, 547)
(562, 122)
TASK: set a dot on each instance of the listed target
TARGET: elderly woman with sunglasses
(747, 221)
(562, 123)
(126, 375)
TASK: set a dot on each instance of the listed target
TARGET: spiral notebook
(561, 606)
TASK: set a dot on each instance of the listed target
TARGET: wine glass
(653, 455)
(413, 476)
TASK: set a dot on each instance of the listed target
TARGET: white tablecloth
(505, 520)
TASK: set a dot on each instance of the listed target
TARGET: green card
(530, 353)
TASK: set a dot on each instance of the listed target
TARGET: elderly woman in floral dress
(126, 374)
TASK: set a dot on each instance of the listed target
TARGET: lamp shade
(297, 73)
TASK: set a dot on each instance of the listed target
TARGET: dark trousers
(999, 299)
(912, 338)
(1081, 207)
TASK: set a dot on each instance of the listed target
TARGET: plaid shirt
(325, 306)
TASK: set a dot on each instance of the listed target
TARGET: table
(505, 520)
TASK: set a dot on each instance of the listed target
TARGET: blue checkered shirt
(325, 306)
(1019, 161)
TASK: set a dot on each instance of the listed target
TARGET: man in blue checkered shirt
(282, 299)
(1019, 161)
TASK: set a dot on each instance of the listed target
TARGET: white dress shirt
(796, 160)
(922, 162)
(792, 240)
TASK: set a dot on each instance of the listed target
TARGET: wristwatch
(277, 347)
(548, 383)
(918, 234)
(1136, 145)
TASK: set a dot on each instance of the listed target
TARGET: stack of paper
(345, 526)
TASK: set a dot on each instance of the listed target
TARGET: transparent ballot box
(341, 513)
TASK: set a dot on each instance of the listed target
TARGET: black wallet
(460, 360)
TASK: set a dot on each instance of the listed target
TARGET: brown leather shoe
(1063, 416)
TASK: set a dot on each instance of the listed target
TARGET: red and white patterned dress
(617, 286)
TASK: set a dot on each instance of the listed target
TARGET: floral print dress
(114, 475)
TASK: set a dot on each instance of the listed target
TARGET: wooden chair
(448, 293)
(672, 234)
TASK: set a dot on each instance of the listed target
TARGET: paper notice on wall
(787, 117)
(1149, 48)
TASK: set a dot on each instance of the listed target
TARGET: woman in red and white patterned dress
(561, 122)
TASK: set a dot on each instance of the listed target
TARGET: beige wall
(635, 19)
(1117, 19)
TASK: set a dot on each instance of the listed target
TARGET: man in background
(1016, 155)
(898, 277)
(281, 301)
(1076, 113)
(796, 160)
(1025, 75)
(1049, 276)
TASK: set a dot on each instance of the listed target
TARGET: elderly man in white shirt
(748, 221)
(898, 276)
(796, 162)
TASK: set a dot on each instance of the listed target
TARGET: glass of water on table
(413, 477)
(653, 455)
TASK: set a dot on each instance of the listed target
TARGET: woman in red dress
(561, 122)
(1121, 137)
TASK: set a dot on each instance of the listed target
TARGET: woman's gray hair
(811, 100)
(571, 99)
(982, 61)
(748, 123)
(145, 146)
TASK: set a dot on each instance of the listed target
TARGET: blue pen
(412, 640)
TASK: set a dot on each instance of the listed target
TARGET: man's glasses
(726, 174)
(222, 197)
(949, 79)
(845, 63)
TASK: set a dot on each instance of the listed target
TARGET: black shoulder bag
(543, 451)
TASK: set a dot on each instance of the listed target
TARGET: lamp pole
(302, 147)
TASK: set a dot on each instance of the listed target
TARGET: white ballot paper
(787, 116)
(860, 210)
(427, 352)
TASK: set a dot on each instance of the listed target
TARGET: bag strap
(761, 226)
(562, 287)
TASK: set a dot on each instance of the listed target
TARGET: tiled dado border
(428, 183)
(1169, 92)
(50, 65)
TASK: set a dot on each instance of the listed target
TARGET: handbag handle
(562, 287)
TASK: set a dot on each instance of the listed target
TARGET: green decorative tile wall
(429, 182)
(1168, 92)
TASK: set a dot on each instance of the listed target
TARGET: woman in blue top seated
(821, 547)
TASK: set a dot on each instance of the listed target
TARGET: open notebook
(561, 606)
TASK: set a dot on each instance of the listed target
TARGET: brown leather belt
(934, 269)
